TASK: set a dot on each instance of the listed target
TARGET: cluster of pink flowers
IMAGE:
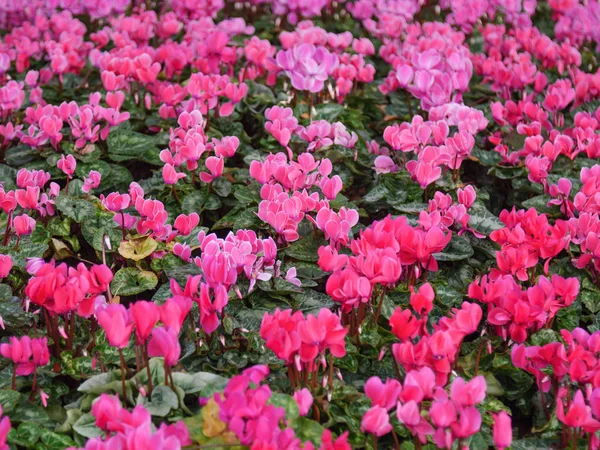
(26, 354)
(31, 197)
(468, 13)
(577, 357)
(132, 430)
(382, 253)
(573, 362)
(222, 260)
(424, 407)
(508, 63)
(438, 350)
(62, 289)
(188, 143)
(431, 143)
(304, 341)
(286, 201)
(515, 312)
(244, 406)
(307, 66)
(431, 63)
(576, 21)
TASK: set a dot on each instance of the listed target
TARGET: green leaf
(12, 313)
(533, 444)
(133, 281)
(482, 220)
(305, 249)
(222, 186)
(75, 208)
(162, 401)
(95, 384)
(8, 176)
(27, 249)
(20, 155)
(457, 249)
(328, 111)
(194, 383)
(195, 201)
(311, 301)
(286, 402)
(86, 426)
(55, 441)
(9, 400)
(539, 202)
(28, 433)
(307, 430)
(126, 145)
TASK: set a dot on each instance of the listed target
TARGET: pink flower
(330, 260)
(321, 332)
(385, 164)
(468, 393)
(6, 264)
(117, 323)
(215, 165)
(383, 394)
(331, 187)
(4, 430)
(26, 353)
(23, 225)
(377, 421)
(92, 181)
(348, 288)
(174, 311)
(164, 342)
(116, 202)
(502, 430)
(67, 165)
(145, 315)
(304, 399)
(185, 224)
(170, 175)
(422, 300)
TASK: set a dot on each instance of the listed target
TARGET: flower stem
(33, 385)
(7, 231)
(148, 369)
(123, 374)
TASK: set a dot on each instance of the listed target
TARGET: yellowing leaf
(137, 249)
(212, 425)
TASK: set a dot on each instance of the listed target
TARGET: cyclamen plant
(299, 224)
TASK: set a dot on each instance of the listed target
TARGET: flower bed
(299, 224)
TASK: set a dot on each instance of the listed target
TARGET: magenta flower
(117, 324)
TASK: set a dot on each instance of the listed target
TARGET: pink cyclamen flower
(502, 431)
(164, 342)
(170, 175)
(304, 399)
(26, 353)
(23, 225)
(117, 323)
(92, 181)
(145, 315)
(67, 165)
(4, 430)
(185, 224)
(377, 421)
(116, 202)
(215, 165)
(422, 300)
(6, 264)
